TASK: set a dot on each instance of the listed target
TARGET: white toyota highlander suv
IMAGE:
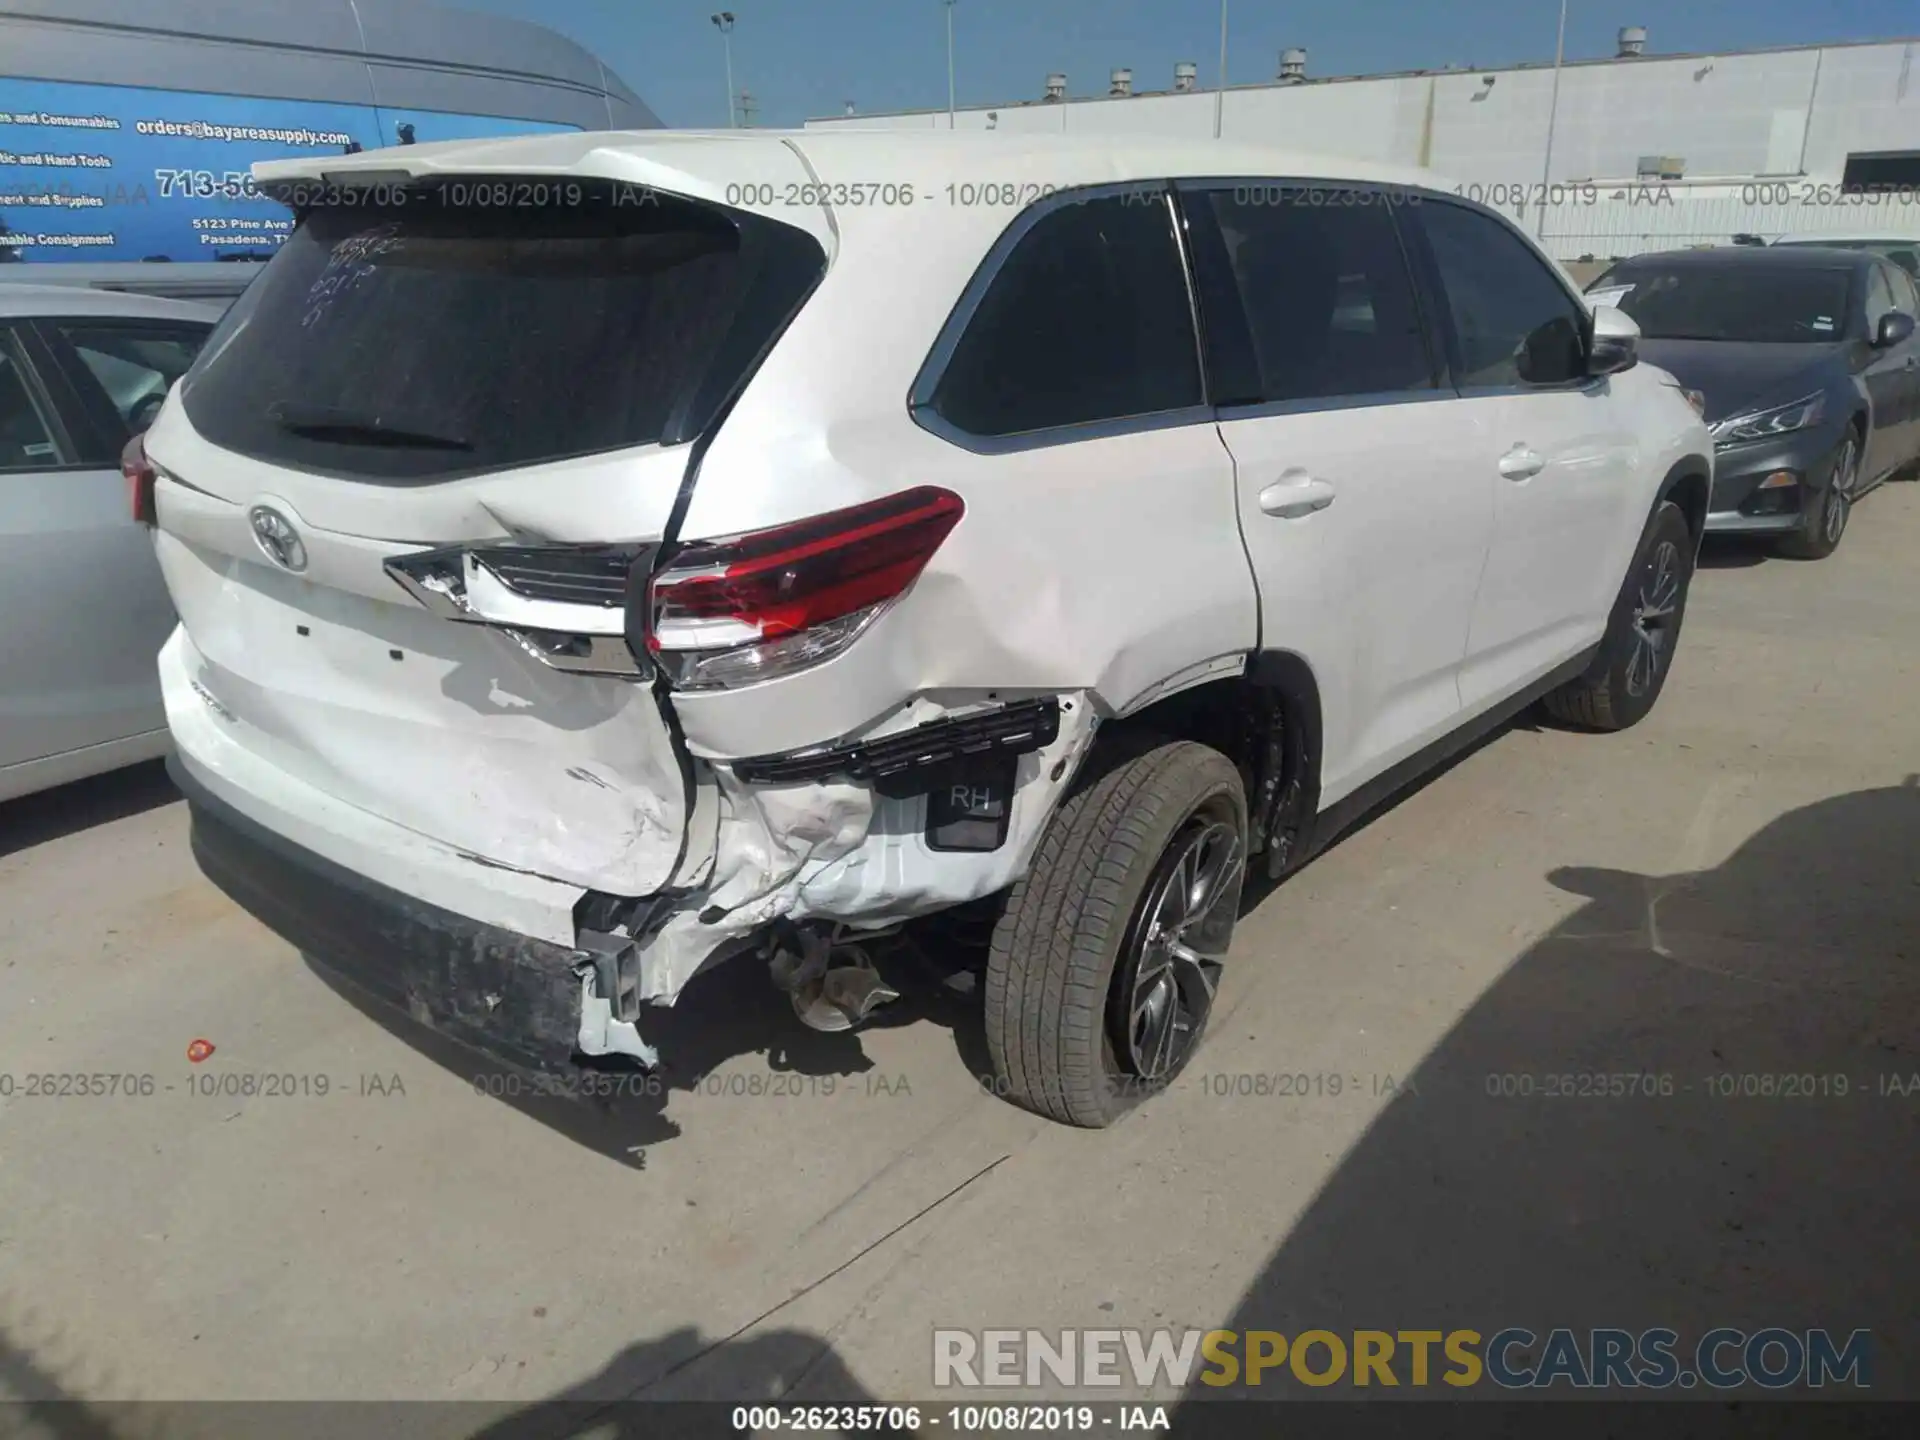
(598, 555)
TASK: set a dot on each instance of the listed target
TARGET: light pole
(1553, 112)
(723, 22)
(949, 5)
(1220, 95)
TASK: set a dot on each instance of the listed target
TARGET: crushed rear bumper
(510, 997)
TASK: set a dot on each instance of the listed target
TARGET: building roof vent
(1057, 85)
(1633, 40)
(1293, 66)
(1122, 83)
(1186, 75)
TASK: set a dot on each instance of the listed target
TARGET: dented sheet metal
(448, 730)
(836, 851)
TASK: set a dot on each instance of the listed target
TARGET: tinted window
(1088, 319)
(429, 338)
(26, 440)
(134, 364)
(1746, 301)
(1905, 255)
(1879, 295)
(1904, 296)
(1318, 282)
(1513, 320)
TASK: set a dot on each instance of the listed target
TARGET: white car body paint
(1107, 573)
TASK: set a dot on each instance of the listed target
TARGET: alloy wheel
(1654, 617)
(1176, 947)
(1839, 503)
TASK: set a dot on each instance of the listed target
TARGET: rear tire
(1637, 651)
(1105, 960)
(1827, 521)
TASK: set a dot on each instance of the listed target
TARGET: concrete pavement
(1732, 888)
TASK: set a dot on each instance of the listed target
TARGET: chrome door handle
(1295, 495)
(1520, 463)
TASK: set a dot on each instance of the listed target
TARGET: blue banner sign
(110, 173)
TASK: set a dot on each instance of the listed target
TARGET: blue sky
(804, 58)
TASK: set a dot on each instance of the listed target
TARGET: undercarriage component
(833, 982)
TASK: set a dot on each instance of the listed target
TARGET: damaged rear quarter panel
(1092, 567)
(1096, 563)
(838, 851)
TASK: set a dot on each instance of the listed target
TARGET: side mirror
(1616, 341)
(1895, 326)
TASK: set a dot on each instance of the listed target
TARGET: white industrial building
(1679, 149)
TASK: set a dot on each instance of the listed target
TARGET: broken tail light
(140, 476)
(744, 608)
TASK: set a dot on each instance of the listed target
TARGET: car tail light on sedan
(732, 611)
(140, 476)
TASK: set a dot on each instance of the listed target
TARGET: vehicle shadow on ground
(730, 1011)
(1732, 552)
(1756, 1164)
(680, 1386)
(677, 1387)
(33, 1402)
(734, 1010)
(51, 814)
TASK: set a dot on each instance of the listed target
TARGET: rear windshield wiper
(325, 422)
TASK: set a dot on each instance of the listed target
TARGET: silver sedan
(81, 372)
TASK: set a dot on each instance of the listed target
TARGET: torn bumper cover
(508, 995)
(839, 835)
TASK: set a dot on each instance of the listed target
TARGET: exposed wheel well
(1268, 723)
(1688, 487)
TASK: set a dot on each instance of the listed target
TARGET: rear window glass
(413, 341)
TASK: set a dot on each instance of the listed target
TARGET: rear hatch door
(406, 488)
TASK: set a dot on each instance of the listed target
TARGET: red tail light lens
(748, 607)
(140, 475)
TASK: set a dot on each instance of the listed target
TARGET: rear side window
(412, 341)
(1306, 295)
(133, 362)
(1087, 319)
(1513, 321)
(26, 439)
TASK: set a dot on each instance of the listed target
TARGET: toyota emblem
(277, 538)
